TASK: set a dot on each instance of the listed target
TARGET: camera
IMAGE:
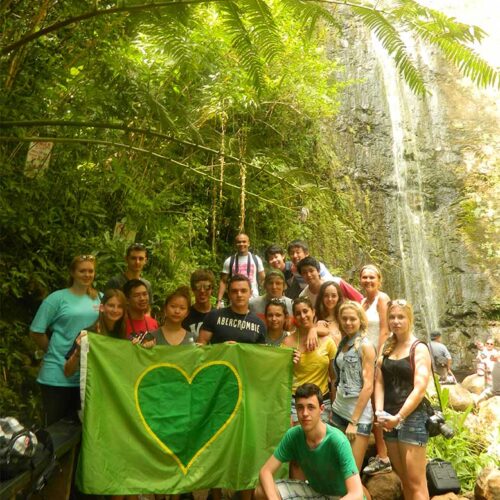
(436, 424)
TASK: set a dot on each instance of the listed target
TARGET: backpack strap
(231, 264)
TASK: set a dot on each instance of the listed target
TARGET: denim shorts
(341, 423)
(412, 430)
(325, 414)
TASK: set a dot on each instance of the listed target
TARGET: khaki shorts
(294, 489)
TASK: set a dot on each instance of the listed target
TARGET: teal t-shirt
(66, 314)
(327, 466)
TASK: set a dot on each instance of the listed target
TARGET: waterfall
(406, 114)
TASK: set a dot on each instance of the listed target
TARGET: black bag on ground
(17, 448)
(441, 477)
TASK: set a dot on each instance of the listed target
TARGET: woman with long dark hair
(111, 323)
(329, 300)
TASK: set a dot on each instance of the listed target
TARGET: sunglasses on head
(83, 258)
(398, 302)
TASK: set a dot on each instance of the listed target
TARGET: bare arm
(41, 340)
(354, 488)
(382, 303)
(368, 352)
(379, 386)
(267, 480)
(261, 276)
(205, 337)
(222, 288)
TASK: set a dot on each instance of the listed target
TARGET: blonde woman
(375, 304)
(403, 372)
(352, 385)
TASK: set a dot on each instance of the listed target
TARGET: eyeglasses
(398, 302)
(202, 288)
(82, 258)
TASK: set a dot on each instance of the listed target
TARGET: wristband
(400, 417)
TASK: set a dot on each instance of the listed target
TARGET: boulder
(460, 398)
(473, 383)
(384, 487)
(448, 496)
(488, 484)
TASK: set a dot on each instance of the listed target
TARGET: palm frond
(391, 41)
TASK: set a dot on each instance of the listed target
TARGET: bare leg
(414, 462)
(380, 446)
(359, 446)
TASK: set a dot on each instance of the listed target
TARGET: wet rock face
(448, 155)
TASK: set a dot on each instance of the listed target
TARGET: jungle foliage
(185, 121)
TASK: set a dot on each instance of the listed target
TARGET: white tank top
(373, 331)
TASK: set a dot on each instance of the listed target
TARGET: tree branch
(68, 140)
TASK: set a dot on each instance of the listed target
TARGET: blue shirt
(66, 314)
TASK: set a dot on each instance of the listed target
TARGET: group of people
(358, 367)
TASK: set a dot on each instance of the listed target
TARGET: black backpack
(24, 450)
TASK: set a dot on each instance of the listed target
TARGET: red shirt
(136, 326)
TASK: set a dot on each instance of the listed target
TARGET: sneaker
(377, 466)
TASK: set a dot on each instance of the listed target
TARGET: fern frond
(451, 37)
(310, 13)
(391, 41)
(264, 31)
(241, 40)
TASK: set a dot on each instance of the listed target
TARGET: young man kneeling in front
(323, 452)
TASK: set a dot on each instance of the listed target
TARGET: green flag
(179, 419)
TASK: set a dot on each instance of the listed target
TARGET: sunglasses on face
(202, 288)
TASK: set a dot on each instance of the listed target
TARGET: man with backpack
(243, 262)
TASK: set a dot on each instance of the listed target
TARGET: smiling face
(297, 254)
(177, 309)
(139, 299)
(83, 273)
(350, 321)
(275, 318)
(330, 298)
(113, 309)
(242, 244)
(304, 315)
(277, 261)
(399, 320)
(202, 291)
(370, 280)
(275, 287)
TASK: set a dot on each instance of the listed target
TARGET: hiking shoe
(377, 466)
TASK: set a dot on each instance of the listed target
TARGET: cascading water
(405, 111)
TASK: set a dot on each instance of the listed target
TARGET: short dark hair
(131, 285)
(278, 303)
(136, 247)
(273, 249)
(298, 243)
(238, 277)
(201, 275)
(308, 390)
(308, 261)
